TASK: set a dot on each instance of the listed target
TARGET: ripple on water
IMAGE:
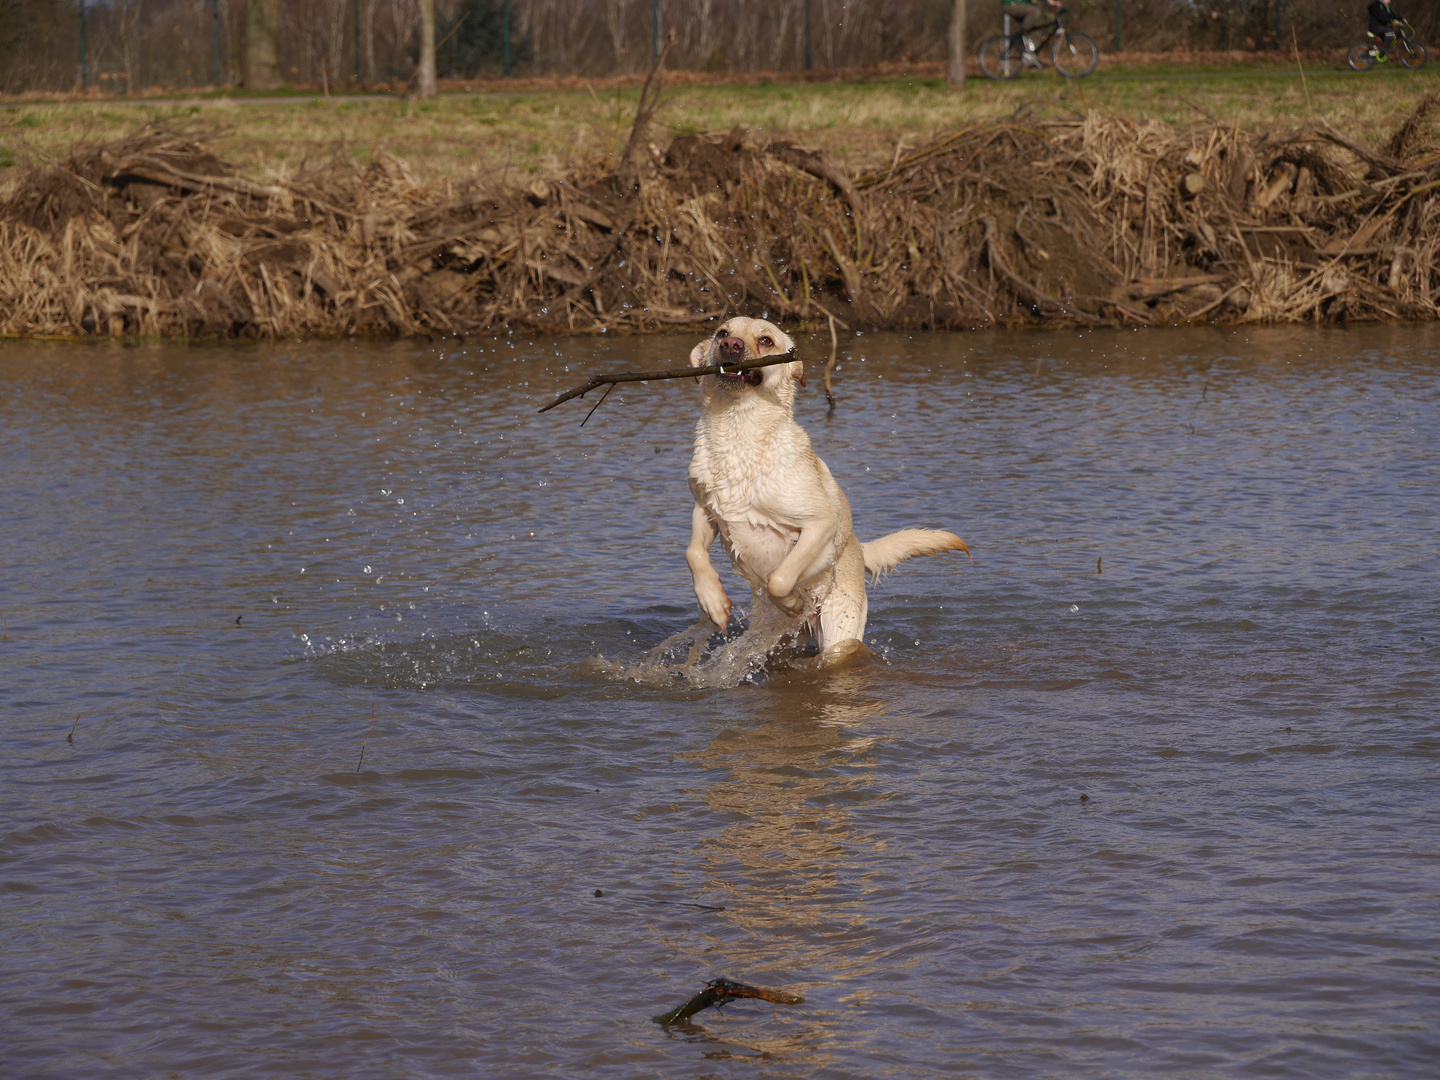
(470, 795)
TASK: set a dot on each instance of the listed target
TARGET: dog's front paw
(714, 604)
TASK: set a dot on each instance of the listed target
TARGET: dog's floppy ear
(698, 354)
(797, 372)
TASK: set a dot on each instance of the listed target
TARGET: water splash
(702, 657)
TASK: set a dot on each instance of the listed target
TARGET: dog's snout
(732, 348)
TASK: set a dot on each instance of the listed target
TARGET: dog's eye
(720, 332)
(765, 341)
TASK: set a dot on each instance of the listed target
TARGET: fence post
(215, 37)
(84, 52)
(807, 36)
(1118, 46)
(356, 20)
(655, 30)
(505, 34)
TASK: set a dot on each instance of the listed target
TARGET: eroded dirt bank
(1094, 220)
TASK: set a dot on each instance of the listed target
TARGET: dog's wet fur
(783, 519)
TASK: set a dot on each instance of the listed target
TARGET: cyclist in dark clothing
(1028, 14)
(1382, 21)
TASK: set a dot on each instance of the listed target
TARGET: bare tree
(778, 36)
(745, 23)
(367, 41)
(426, 87)
(955, 65)
(126, 19)
(336, 12)
(262, 44)
(617, 15)
(705, 31)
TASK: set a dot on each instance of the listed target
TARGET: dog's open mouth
(753, 377)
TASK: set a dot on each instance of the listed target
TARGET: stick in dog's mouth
(749, 378)
(742, 367)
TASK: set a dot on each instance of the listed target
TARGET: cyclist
(1030, 16)
(1382, 25)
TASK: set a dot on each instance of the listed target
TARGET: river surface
(1150, 788)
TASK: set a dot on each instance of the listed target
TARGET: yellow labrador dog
(784, 521)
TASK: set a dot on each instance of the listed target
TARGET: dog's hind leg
(841, 620)
(844, 610)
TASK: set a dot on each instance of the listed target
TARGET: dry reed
(1090, 221)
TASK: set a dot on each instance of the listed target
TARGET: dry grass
(856, 124)
(1049, 214)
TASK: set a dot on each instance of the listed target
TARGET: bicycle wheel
(1360, 57)
(1412, 54)
(1075, 54)
(1000, 58)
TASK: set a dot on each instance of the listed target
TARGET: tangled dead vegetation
(1088, 221)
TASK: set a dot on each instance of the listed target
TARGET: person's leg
(1029, 16)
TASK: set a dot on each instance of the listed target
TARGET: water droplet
(367, 569)
(1074, 607)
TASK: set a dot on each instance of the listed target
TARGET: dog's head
(739, 339)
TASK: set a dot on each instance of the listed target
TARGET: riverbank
(509, 129)
(1089, 220)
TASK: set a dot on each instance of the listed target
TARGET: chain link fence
(122, 46)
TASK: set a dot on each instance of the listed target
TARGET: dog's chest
(742, 479)
(741, 483)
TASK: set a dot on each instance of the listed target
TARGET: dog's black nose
(731, 348)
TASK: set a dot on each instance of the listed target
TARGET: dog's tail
(885, 554)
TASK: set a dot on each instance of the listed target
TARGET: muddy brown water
(1179, 817)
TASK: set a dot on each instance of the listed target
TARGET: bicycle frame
(1054, 27)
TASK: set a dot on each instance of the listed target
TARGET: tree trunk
(367, 42)
(426, 86)
(955, 69)
(262, 44)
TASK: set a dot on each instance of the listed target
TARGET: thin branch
(823, 170)
(669, 373)
(997, 260)
(829, 367)
(645, 108)
(1389, 166)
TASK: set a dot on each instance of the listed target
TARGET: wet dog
(783, 519)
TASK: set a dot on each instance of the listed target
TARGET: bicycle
(1074, 54)
(1407, 50)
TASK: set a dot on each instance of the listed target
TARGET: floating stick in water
(366, 741)
(668, 373)
(718, 992)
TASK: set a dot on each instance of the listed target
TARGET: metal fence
(127, 45)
